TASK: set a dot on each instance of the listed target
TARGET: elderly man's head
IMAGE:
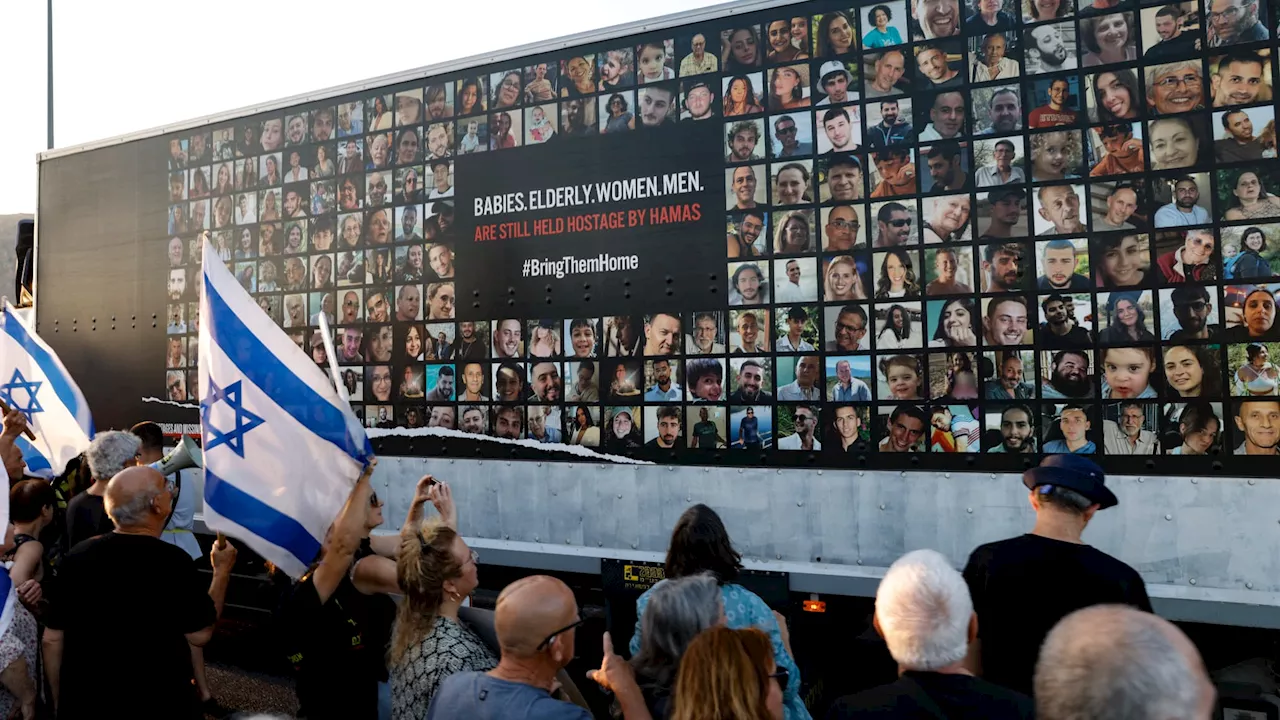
(110, 452)
(139, 498)
(536, 619)
(1117, 661)
(924, 612)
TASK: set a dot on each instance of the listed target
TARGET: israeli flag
(282, 451)
(7, 590)
(34, 382)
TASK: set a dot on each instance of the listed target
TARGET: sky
(120, 67)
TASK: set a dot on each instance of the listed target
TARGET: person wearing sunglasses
(925, 614)
(536, 621)
(437, 572)
(700, 543)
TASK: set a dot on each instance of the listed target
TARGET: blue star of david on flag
(31, 388)
(245, 421)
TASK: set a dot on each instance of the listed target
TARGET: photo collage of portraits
(978, 226)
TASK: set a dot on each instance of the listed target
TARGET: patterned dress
(449, 648)
(19, 641)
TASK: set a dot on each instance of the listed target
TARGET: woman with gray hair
(109, 453)
(678, 610)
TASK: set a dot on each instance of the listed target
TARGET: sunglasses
(782, 675)
(565, 629)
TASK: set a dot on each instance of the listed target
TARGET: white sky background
(130, 65)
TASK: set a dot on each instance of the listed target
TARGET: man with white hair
(109, 453)
(1115, 661)
(925, 616)
(1022, 586)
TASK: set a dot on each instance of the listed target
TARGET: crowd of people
(110, 597)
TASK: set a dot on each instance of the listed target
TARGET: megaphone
(186, 455)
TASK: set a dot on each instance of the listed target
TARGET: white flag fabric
(33, 381)
(281, 450)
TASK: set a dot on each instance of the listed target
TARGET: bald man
(145, 590)
(536, 621)
(1116, 661)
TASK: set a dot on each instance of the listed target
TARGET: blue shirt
(750, 427)
(1060, 446)
(877, 39)
(742, 609)
(856, 392)
(655, 393)
(477, 696)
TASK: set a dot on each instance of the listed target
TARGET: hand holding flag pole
(26, 429)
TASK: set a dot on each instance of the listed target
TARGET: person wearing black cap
(1023, 586)
(1006, 212)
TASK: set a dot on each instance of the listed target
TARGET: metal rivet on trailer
(670, 292)
(537, 538)
(1192, 581)
(475, 293)
(511, 302)
(1141, 479)
(706, 469)
(688, 498)
(799, 503)
(859, 561)
(634, 545)
(153, 317)
(1195, 481)
(740, 471)
(779, 556)
(881, 506)
(619, 496)
(1253, 481)
(670, 279)
(713, 289)
(548, 301)
(969, 510)
(671, 468)
(712, 276)
(511, 291)
(586, 297)
(820, 472)
(1168, 517)
(946, 475)
(861, 473)
(779, 471)
(1248, 586)
(599, 543)
(566, 541)
(539, 464)
(627, 294)
(548, 288)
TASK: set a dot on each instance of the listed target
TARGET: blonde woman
(842, 281)
(436, 571)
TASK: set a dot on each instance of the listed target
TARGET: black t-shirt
(125, 604)
(929, 695)
(1023, 586)
(338, 648)
(87, 517)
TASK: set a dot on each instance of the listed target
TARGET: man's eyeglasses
(847, 224)
(565, 629)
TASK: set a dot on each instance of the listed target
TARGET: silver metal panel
(687, 17)
(1209, 548)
